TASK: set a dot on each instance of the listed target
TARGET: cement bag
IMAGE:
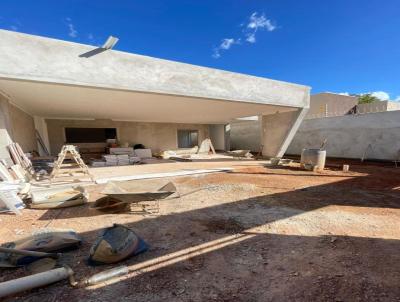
(115, 244)
(43, 241)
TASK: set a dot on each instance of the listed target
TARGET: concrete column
(278, 131)
(217, 136)
(227, 130)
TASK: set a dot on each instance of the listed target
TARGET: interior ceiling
(63, 101)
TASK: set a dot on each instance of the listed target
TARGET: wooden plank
(5, 174)
(19, 172)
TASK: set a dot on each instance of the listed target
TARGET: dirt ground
(256, 233)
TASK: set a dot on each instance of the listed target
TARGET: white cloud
(251, 38)
(255, 23)
(382, 95)
(260, 22)
(72, 32)
(344, 93)
(225, 45)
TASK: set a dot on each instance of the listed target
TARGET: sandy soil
(253, 234)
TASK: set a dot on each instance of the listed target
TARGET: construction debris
(107, 275)
(276, 161)
(143, 153)
(29, 253)
(20, 173)
(33, 281)
(118, 160)
(19, 157)
(45, 241)
(121, 151)
(206, 146)
(5, 174)
(42, 265)
(9, 200)
(43, 164)
(115, 244)
(240, 153)
(58, 198)
(167, 154)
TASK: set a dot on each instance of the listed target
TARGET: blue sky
(344, 46)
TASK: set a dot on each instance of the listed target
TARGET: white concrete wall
(157, 136)
(23, 128)
(15, 126)
(349, 136)
(245, 135)
(217, 136)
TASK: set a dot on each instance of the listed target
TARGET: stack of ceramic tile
(97, 163)
(111, 160)
(123, 160)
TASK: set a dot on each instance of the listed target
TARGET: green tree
(367, 98)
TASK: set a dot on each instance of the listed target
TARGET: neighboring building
(75, 93)
(330, 104)
(381, 106)
(349, 130)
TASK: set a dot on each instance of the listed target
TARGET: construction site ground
(255, 233)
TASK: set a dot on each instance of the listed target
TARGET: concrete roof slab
(34, 58)
(70, 101)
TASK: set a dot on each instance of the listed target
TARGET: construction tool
(71, 152)
(37, 280)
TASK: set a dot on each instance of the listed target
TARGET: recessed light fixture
(110, 43)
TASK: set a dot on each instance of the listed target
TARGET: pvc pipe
(107, 275)
(33, 281)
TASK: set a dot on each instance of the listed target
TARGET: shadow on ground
(243, 263)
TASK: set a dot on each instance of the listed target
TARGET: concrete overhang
(60, 79)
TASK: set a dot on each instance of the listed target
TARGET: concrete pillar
(217, 136)
(227, 130)
(278, 131)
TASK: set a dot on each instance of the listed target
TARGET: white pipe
(37, 280)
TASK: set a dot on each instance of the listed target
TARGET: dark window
(89, 135)
(188, 138)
